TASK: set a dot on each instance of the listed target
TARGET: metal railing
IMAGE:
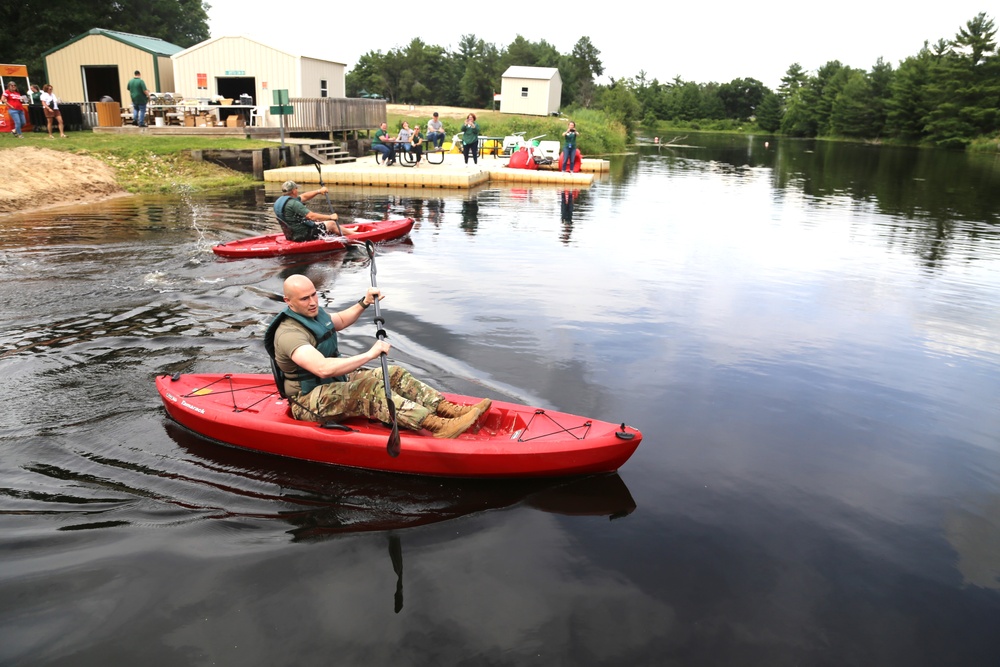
(335, 114)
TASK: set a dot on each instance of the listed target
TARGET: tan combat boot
(449, 428)
(451, 410)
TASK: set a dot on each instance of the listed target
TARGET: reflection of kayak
(511, 440)
(322, 501)
(276, 244)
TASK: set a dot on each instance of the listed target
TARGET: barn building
(100, 63)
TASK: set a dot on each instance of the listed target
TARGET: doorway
(100, 81)
(234, 86)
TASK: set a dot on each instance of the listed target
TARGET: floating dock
(451, 173)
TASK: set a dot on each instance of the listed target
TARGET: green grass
(985, 145)
(146, 164)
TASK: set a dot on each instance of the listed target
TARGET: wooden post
(258, 165)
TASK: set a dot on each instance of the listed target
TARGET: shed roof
(524, 72)
(212, 40)
(153, 45)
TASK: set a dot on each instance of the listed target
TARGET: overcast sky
(699, 42)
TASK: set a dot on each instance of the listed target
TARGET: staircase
(327, 152)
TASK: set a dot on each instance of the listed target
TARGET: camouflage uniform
(363, 395)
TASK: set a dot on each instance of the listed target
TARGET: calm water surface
(806, 335)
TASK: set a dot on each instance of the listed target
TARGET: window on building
(524, 91)
(322, 87)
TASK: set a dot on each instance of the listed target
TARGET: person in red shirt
(13, 99)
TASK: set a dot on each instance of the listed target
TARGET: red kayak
(273, 245)
(511, 440)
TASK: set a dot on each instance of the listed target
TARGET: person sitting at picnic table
(383, 144)
(403, 138)
(304, 224)
(435, 131)
(417, 144)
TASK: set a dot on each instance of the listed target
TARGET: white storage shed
(530, 90)
(237, 65)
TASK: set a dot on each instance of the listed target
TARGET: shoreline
(47, 178)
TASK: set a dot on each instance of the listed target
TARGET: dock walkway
(452, 173)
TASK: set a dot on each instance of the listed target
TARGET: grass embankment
(599, 135)
(985, 145)
(148, 164)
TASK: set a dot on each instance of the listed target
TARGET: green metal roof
(153, 45)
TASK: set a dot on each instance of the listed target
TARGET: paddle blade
(393, 446)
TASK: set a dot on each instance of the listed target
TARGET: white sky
(698, 42)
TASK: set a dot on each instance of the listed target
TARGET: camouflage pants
(363, 395)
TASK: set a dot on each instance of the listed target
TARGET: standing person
(50, 105)
(140, 97)
(569, 151)
(322, 385)
(470, 139)
(36, 95)
(435, 131)
(383, 144)
(303, 224)
(417, 144)
(13, 99)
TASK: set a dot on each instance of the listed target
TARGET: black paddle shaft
(319, 169)
(393, 445)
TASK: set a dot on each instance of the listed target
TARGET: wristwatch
(361, 302)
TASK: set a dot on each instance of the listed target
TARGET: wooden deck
(453, 173)
(343, 116)
(179, 131)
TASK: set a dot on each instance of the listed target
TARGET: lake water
(806, 334)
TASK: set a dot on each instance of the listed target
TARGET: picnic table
(495, 148)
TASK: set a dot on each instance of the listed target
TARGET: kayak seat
(285, 228)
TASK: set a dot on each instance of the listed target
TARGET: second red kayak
(273, 245)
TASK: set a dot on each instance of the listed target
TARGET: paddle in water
(340, 232)
(393, 445)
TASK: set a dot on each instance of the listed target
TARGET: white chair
(549, 149)
(258, 116)
(511, 143)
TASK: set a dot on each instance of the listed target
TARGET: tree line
(32, 28)
(420, 73)
(947, 94)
